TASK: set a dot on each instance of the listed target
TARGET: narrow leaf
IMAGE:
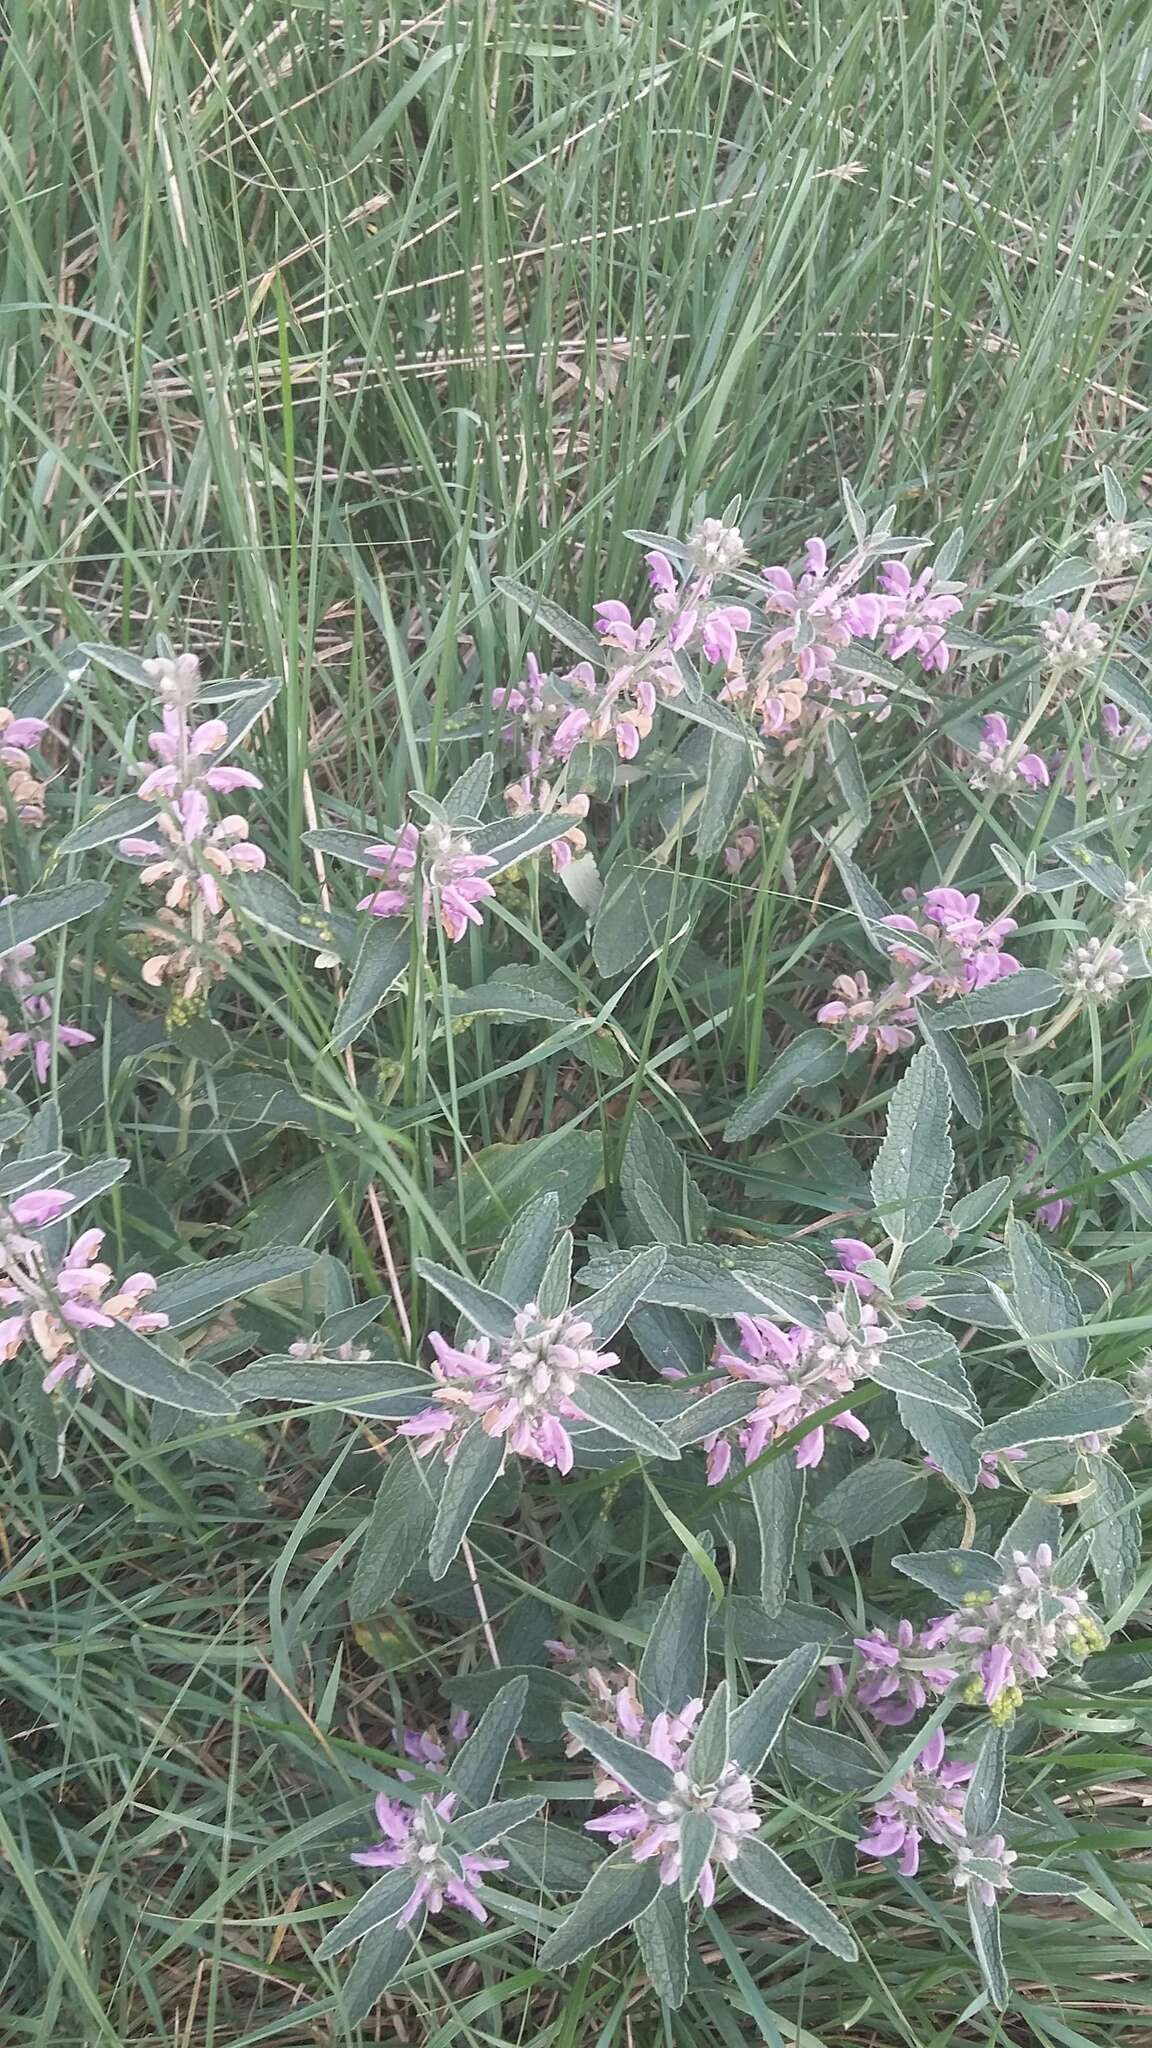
(490, 1313)
(605, 1402)
(777, 1491)
(766, 1878)
(662, 1933)
(384, 954)
(474, 1772)
(641, 1772)
(126, 1357)
(609, 1309)
(985, 1795)
(1087, 1408)
(468, 1481)
(757, 1723)
(814, 1057)
(673, 1666)
(396, 1538)
(618, 1894)
(913, 1167)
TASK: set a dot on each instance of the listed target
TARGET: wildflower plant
(642, 1193)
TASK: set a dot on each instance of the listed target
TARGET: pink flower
(51, 1304)
(801, 1372)
(412, 1842)
(999, 767)
(888, 1020)
(958, 951)
(900, 1671)
(652, 1827)
(455, 881)
(524, 1389)
(1053, 1207)
(926, 1802)
(1019, 1631)
(916, 615)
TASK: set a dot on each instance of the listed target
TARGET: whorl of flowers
(999, 766)
(983, 1867)
(651, 1827)
(191, 848)
(51, 1299)
(957, 950)
(926, 1803)
(23, 791)
(524, 1389)
(916, 615)
(414, 1841)
(801, 1372)
(453, 876)
(1018, 1632)
(37, 1034)
(886, 1021)
(1073, 644)
(898, 1672)
(1096, 971)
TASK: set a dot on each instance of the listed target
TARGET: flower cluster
(926, 1802)
(1096, 971)
(192, 848)
(1073, 644)
(453, 877)
(651, 1827)
(1020, 1631)
(940, 947)
(1000, 765)
(414, 1841)
(52, 1299)
(524, 1389)
(24, 791)
(898, 1672)
(37, 1034)
(801, 1373)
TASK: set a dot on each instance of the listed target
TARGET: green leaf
(468, 1481)
(1047, 1117)
(766, 1878)
(851, 781)
(813, 1057)
(552, 1858)
(757, 1724)
(270, 903)
(777, 1491)
(708, 1749)
(651, 1159)
(507, 841)
(634, 915)
(697, 1841)
(29, 918)
(126, 817)
(962, 1083)
(1074, 574)
(385, 951)
(469, 793)
(941, 1382)
(784, 1280)
(126, 1357)
(635, 1768)
(518, 1268)
(717, 1410)
(1045, 1884)
(913, 1167)
(474, 1772)
(350, 846)
(605, 1402)
(1042, 1303)
(1092, 865)
(1018, 995)
(618, 1894)
(870, 1500)
(610, 1307)
(954, 1574)
(829, 1758)
(382, 1902)
(378, 1964)
(662, 1933)
(984, 1798)
(384, 1390)
(192, 1293)
(1111, 1517)
(512, 999)
(474, 1831)
(1084, 1409)
(490, 1313)
(1039, 1521)
(984, 1920)
(947, 1436)
(396, 1539)
(726, 775)
(499, 1180)
(672, 1669)
(972, 1211)
(553, 618)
